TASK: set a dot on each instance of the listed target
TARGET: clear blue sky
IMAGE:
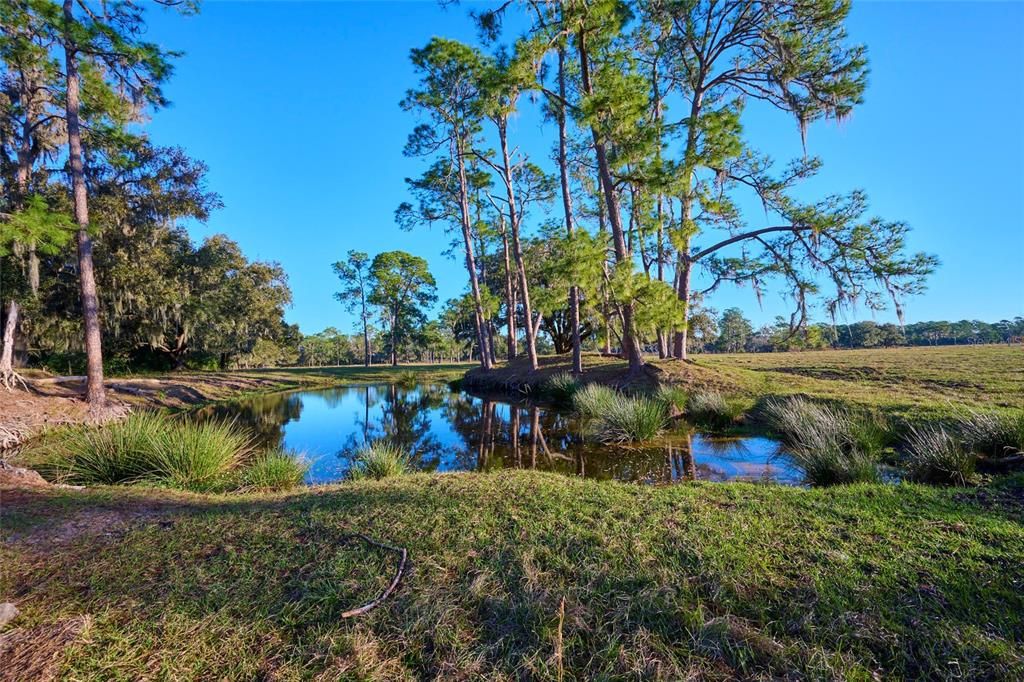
(294, 106)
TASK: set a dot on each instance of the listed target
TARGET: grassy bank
(911, 383)
(706, 580)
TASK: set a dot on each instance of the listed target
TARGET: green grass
(830, 445)
(697, 581)
(934, 454)
(593, 400)
(561, 388)
(712, 410)
(630, 419)
(155, 449)
(275, 470)
(913, 383)
(380, 459)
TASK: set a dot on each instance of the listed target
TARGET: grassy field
(706, 581)
(917, 382)
(921, 379)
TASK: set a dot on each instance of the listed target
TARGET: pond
(447, 430)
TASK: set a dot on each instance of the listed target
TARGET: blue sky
(294, 106)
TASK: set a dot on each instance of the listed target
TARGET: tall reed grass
(990, 434)
(275, 470)
(380, 459)
(934, 454)
(673, 397)
(562, 387)
(710, 409)
(630, 419)
(150, 448)
(593, 400)
(829, 445)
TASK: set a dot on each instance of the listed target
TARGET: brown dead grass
(36, 653)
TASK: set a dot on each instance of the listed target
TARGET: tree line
(731, 332)
(95, 267)
(621, 234)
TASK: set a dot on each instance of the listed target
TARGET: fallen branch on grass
(371, 605)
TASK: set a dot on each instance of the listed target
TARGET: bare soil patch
(52, 401)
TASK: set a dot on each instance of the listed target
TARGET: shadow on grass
(679, 580)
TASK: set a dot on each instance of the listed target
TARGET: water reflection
(453, 431)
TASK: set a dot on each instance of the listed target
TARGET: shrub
(561, 388)
(275, 470)
(934, 455)
(828, 445)
(629, 419)
(593, 400)
(712, 410)
(378, 460)
(991, 434)
(149, 447)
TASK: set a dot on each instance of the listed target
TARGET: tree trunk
(94, 391)
(517, 250)
(394, 338)
(467, 238)
(563, 171)
(8, 377)
(686, 216)
(510, 298)
(630, 343)
(366, 331)
(682, 335)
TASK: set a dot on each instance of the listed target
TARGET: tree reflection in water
(453, 431)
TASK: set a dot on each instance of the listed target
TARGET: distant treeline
(734, 333)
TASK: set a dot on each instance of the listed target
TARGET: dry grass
(36, 654)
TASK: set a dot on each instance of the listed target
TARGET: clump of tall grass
(407, 379)
(199, 456)
(630, 419)
(94, 454)
(148, 447)
(990, 434)
(562, 387)
(593, 400)
(275, 470)
(673, 397)
(711, 409)
(380, 459)
(829, 445)
(933, 454)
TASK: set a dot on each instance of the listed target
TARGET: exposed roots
(10, 380)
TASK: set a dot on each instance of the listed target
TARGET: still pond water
(448, 430)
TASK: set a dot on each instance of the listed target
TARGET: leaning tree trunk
(563, 171)
(94, 391)
(630, 343)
